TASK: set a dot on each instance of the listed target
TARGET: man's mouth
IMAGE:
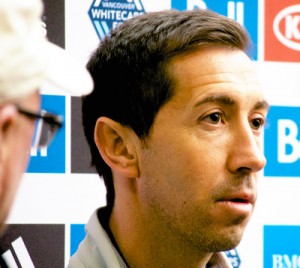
(238, 203)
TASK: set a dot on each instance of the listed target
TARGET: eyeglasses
(46, 126)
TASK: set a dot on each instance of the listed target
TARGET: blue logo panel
(245, 12)
(52, 158)
(77, 235)
(106, 15)
(282, 142)
(281, 246)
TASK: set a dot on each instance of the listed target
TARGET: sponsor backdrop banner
(60, 190)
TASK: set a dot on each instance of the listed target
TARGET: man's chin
(230, 239)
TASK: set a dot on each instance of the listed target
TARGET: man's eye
(214, 118)
(257, 123)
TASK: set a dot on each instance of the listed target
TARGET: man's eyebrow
(228, 101)
(216, 98)
(263, 104)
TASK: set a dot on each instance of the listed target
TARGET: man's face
(198, 168)
(16, 137)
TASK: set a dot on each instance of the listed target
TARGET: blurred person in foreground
(174, 126)
(28, 62)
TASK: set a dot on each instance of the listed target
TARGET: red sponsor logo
(282, 31)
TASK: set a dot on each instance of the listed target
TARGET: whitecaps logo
(290, 36)
(107, 14)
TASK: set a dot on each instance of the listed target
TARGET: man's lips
(238, 203)
(242, 197)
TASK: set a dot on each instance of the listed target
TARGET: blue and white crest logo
(234, 258)
(106, 15)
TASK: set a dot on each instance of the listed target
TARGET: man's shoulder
(96, 250)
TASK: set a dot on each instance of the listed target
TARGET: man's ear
(117, 147)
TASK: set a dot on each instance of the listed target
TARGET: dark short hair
(129, 69)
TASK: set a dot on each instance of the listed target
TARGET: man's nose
(246, 152)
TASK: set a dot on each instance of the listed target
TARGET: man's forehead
(215, 71)
(210, 64)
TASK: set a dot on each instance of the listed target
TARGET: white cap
(28, 59)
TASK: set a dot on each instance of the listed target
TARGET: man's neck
(144, 246)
